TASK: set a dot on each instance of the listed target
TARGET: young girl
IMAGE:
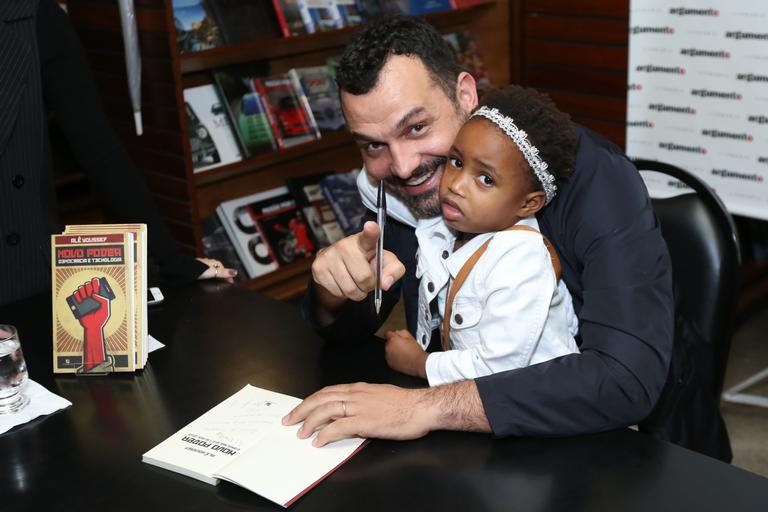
(489, 279)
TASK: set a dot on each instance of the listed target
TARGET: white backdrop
(698, 95)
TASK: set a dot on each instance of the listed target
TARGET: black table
(219, 338)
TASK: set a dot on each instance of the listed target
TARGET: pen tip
(378, 306)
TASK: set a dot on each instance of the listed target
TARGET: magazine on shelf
(322, 93)
(93, 302)
(242, 440)
(212, 141)
(317, 211)
(283, 228)
(245, 108)
(352, 12)
(288, 110)
(248, 241)
(344, 197)
(421, 7)
(320, 15)
(196, 28)
(241, 21)
(289, 17)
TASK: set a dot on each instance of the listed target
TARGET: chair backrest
(703, 244)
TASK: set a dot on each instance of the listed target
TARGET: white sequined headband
(529, 151)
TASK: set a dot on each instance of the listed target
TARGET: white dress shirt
(509, 313)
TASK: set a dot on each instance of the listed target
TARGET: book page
(217, 437)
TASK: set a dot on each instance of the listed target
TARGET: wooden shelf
(274, 48)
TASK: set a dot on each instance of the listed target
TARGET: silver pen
(381, 218)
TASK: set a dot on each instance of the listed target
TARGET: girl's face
(486, 184)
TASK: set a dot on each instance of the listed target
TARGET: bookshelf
(163, 152)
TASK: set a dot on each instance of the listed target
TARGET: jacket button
(18, 181)
(430, 287)
(445, 255)
(13, 238)
(458, 318)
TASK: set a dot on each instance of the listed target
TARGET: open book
(243, 441)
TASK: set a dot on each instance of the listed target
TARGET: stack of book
(270, 229)
(99, 296)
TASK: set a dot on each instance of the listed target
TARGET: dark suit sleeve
(617, 267)
(70, 93)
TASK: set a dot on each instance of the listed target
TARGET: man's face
(404, 128)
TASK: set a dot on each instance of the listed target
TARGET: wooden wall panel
(576, 51)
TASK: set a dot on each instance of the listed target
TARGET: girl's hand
(404, 354)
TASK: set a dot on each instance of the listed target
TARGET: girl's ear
(532, 203)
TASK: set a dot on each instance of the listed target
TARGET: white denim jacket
(509, 313)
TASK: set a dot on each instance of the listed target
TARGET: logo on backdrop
(695, 52)
(652, 30)
(746, 35)
(749, 77)
(762, 160)
(640, 124)
(725, 173)
(685, 11)
(673, 146)
(758, 119)
(660, 107)
(707, 93)
(717, 134)
(651, 68)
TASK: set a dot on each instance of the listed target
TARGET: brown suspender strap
(445, 340)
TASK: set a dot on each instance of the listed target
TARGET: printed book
(242, 440)
(421, 7)
(289, 17)
(320, 15)
(352, 12)
(93, 303)
(317, 212)
(196, 28)
(288, 110)
(140, 271)
(241, 21)
(322, 93)
(283, 227)
(246, 109)
(341, 192)
(212, 142)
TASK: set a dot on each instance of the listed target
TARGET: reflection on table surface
(218, 338)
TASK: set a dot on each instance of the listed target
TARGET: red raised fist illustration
(93, 317)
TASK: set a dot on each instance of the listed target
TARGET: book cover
(341, 192)
(288, 111)
(245, 108)
(196, 28)
(352, 12)
(218, 246)
(212, 141)
(421, 7)
(140, 270)
(468, 57)
(322, 93)
(241, 21)
(289, 17)
(242, 440)
(317, 212)
(281, 224)
(320, 15)
(92, 303)
(243, 232)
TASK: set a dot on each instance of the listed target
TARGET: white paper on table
(41, 402)
(154, 344)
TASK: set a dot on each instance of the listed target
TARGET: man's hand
(404, 354)
(345, 270)
(388, 412)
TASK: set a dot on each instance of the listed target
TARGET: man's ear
(466, 92)
(532, 203)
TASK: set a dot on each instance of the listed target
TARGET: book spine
(293, 75)
(258, 84)
(231, 115)
(241, 251)
(344, 222)
(281, 18)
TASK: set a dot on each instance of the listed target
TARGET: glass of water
(13, 371)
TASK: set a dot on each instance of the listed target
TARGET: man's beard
(425, 205)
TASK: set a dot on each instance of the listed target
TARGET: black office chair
(703, 243)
